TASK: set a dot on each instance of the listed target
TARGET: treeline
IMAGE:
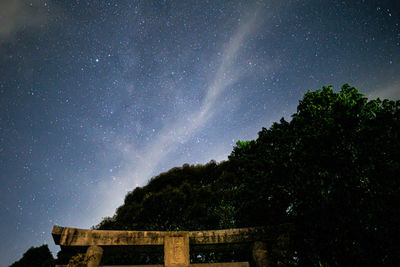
(331, 174)
(36, 257)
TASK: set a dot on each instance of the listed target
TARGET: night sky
(96, 97)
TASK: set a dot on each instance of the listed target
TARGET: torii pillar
(176, 249)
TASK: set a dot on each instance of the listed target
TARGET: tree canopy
(36, 257)
(334, 170)
(331, 173)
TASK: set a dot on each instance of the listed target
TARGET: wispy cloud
(18, 15)
(143, 162)
(391, 91)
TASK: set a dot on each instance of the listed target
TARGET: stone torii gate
(176, 244)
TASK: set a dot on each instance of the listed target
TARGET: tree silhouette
(36, 257)
(332, 172)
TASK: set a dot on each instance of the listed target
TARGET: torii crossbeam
(176, 243)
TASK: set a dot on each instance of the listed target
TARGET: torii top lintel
(66, 236)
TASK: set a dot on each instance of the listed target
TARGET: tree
(36, 257)
(333, 169)
(331, 172)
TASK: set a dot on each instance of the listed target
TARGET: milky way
(96, 97)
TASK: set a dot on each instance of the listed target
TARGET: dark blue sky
(96, 97)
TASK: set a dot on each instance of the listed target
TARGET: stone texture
(260, 254)
(176, 249)
(82, 237)
(65, 236)
(240, 235)
(223, 264)
(176, 244)
(93, 256)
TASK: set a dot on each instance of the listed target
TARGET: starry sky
(96, 97)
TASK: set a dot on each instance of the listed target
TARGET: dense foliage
(35, 257)
(335, 169)
(331, 174)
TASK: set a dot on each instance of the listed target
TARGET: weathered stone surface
(65, 236)
(93, 256)
(240, 235)
(176, 249)
(56, 233)
(159, 265)
(83, 237)
(176, 244)
(154, 265)
(224, 264)
(260, 254)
